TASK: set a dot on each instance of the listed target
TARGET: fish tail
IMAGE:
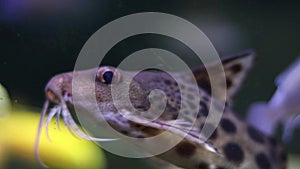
(260, 116)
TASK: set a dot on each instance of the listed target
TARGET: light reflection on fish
(283, 107)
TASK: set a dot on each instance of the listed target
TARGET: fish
(282, 108)
(231, 144)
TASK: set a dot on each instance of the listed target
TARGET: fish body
(283, 107)
(233, 144)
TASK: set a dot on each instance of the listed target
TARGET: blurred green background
(41, 39)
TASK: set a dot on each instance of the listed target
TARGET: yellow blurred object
(17, 138)
(5, 106)
(18, 134)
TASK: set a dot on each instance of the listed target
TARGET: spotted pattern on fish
(233, 145)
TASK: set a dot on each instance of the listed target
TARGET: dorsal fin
(235, 67)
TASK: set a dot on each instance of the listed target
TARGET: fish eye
(108, 75)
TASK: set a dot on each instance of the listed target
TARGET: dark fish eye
(108, 77)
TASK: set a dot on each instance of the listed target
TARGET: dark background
(41, 39)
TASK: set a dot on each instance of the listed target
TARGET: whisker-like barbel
(69, 123)
(38, 135)
(54, 111)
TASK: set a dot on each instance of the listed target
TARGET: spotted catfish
(234, 144)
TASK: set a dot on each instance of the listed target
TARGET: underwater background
(41, 39)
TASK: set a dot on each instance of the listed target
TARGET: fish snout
(59, 87)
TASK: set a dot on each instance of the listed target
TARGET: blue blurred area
(18, 10)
